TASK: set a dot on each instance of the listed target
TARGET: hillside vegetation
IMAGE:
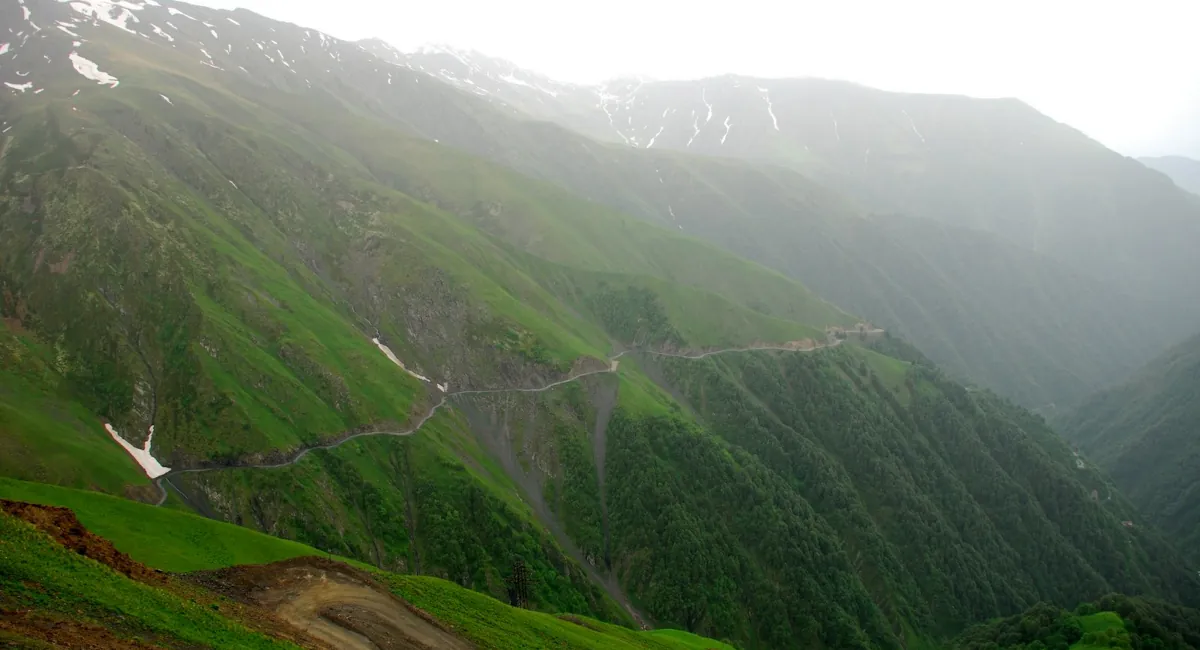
(100, 603)
(1113, 621)
(1143, 433)
(255, 258)
(1057, 268)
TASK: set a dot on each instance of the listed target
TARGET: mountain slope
(1143, 432)
(488, 623)
(883, 267)
(61, 597)
(992, 165)
(1184, 171)
(268, 263)
(1049, 366)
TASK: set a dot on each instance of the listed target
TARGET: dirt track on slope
(334, 603)
(580, 371)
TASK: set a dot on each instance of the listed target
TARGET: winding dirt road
(614, 362)
(334, 603)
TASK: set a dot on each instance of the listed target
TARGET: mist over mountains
(760, 360)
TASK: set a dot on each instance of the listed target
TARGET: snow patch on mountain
(695, 128)
(144, 458)
(391, 355)
(704, 98)
(913, 125)
(727, 127)
(66, 27)
(20, 87)
(90, 70)
(766, 95)
(513, 80)
(158, 30)
(434, 48)
(651, 143)
(116, 13)
(175, 12)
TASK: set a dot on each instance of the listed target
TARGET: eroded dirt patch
(61, 524)
(32, 630)
(333, 602)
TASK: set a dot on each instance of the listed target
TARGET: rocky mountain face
(346, 300)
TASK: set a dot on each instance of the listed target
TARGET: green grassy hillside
(57, 585)
(217, 266)
(161, 538)
(51, 585)
(492, 624)
(213, 254)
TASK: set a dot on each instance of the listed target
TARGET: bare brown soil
(333, 602)
(32, 630)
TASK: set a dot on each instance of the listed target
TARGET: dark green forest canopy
(1146, 434)
(1113, 621)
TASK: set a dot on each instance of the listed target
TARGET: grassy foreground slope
(159, 537)
(58, 585)
(78, 589)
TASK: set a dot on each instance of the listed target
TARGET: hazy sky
(1123, 72)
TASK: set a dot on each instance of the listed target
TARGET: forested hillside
(263, 275)
(1145, 434)
(1113, 621)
